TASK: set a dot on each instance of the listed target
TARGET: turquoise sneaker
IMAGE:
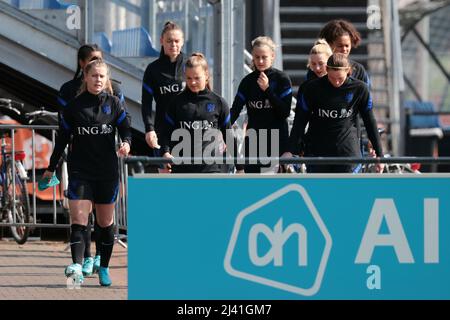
(88, 266)
(103, 277)
(74, 271)
(47, 183)
(96, 264)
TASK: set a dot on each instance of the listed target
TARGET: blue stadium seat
(14, 3)
(101, 39)
(135, 42)
(41, 4)
(422, 121)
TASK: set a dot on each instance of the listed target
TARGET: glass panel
(440, 44)
(130, 29)
(420, 68)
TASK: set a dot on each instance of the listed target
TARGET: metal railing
(293, 160)
(121, 209)
(120, 217)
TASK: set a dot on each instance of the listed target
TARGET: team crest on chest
(210, 107)
(106, 108)
(349, 97)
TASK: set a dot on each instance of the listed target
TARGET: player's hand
(167, 166)
(263, 81)
(152, 140)
(124, 149)
(47, 175)
(380, 167)
(287, 154)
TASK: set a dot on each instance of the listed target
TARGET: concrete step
(380, 106)
(313, 25)
(379, 90)
(322, 10)
(310, 42)
(357, 57)
(322, 3)
(322, 17)
(296, 73)
(378, 75)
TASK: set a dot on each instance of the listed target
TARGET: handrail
(286, 160)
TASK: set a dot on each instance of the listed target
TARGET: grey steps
(325, 13)
(381, 106)
(312, 25)
(296, 73)
(379, 90)
(377, 74)
(356, 57)
(310, 41)
(323, 10)
(322, 3)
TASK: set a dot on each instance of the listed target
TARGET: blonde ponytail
(198, 59)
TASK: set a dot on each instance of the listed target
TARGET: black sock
(107, 242)
(77, 246)
(87, 238)
(98, 243)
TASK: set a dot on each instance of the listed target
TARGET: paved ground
(35, 271)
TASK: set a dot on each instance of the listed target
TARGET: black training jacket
(265, 109)
(69, 91)
(162, 81)
(196, 113)
(331, 113)
(360, 73)
(296, 141)
(89, 123)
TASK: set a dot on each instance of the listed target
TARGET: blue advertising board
(285, 237)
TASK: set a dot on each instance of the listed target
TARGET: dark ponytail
(169, 26)
(339, 61)
(83, 52)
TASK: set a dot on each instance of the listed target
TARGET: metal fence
(295, 160)
(59, 206)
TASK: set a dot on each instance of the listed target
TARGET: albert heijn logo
(280, 241)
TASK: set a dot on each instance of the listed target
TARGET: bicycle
(38, 114)
(14, 201)
(9, 104)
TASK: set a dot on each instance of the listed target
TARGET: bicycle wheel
(22, 207)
